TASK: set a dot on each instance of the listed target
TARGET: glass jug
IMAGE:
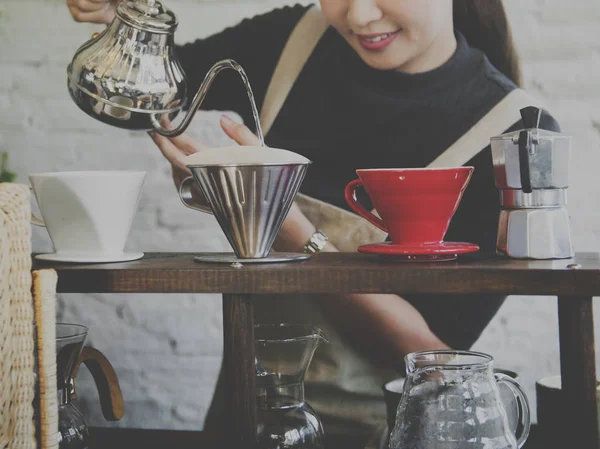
(451, 400)
(283, 354)
(70, 353)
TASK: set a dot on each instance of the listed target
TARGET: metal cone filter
(250, 202)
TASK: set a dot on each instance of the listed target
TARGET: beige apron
(343, 386)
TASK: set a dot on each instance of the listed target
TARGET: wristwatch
(316, 243)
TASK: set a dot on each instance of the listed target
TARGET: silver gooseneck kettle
(128, 76)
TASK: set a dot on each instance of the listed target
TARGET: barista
(392, 83)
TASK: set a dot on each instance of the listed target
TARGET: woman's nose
(362, 12)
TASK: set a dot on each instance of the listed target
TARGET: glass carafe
(284, 419)
(451, 400)
(70, 353)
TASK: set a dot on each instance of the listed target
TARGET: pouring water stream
(201, 94)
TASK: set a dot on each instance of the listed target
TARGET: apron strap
(296, 52)
(500, 118)
(345, 229)
(300, 46)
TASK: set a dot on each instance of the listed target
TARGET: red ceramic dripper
(415, 205)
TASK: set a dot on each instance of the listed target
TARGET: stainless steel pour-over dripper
(128, 76)
(250, 203)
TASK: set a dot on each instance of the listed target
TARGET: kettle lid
(148, 15)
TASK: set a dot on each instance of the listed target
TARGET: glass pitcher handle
(520, 396)
(107, 382)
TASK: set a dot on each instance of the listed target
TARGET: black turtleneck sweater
(344, 115)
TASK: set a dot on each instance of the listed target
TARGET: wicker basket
(18, 331)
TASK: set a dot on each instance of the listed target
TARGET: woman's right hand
(93, 11)
(175, 150)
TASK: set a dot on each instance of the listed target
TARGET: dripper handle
(35, 220)
(352, 200)
(201, 94)
(107, 382)
(186, 197)
(520, 396)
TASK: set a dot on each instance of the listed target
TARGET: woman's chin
(381, 62)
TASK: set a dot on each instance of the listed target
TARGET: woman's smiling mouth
(376, 42)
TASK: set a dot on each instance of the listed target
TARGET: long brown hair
(485, 26)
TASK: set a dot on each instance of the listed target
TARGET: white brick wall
(166, 349)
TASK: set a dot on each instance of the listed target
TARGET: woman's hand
(239, 132)
(176, 149)
(93, 11)
(296, 229)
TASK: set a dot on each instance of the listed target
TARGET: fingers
(179, 174)
(238, 132)
(185, 143)
(92, 11)
(88, 5)
(169, 150)
(176, 149)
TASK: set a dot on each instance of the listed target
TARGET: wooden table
(575, 282)
(112, 438)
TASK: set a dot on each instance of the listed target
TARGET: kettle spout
(320, 336)
(201, 94)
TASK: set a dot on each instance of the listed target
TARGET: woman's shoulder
(504, 85)
(496, 78)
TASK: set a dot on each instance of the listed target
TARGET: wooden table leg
(578, 368)
(240, 371)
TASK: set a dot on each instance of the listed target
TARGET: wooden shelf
(112, 438)
(575, 282)
(332, 273)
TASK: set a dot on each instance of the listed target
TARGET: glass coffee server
(283, 355)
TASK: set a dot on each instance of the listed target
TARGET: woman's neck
(437, 54)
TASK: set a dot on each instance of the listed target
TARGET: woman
(392, 83)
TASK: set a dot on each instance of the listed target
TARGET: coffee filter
(244, 154)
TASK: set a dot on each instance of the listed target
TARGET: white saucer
(89, 258)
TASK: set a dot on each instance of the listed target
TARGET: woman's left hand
(239, 132)
(296, 229)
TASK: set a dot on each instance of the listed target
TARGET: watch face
(317, 242)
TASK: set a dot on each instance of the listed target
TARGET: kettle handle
(107, 382)
(531, 120)
(521, 398)
(525, 142)
(199, 98)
